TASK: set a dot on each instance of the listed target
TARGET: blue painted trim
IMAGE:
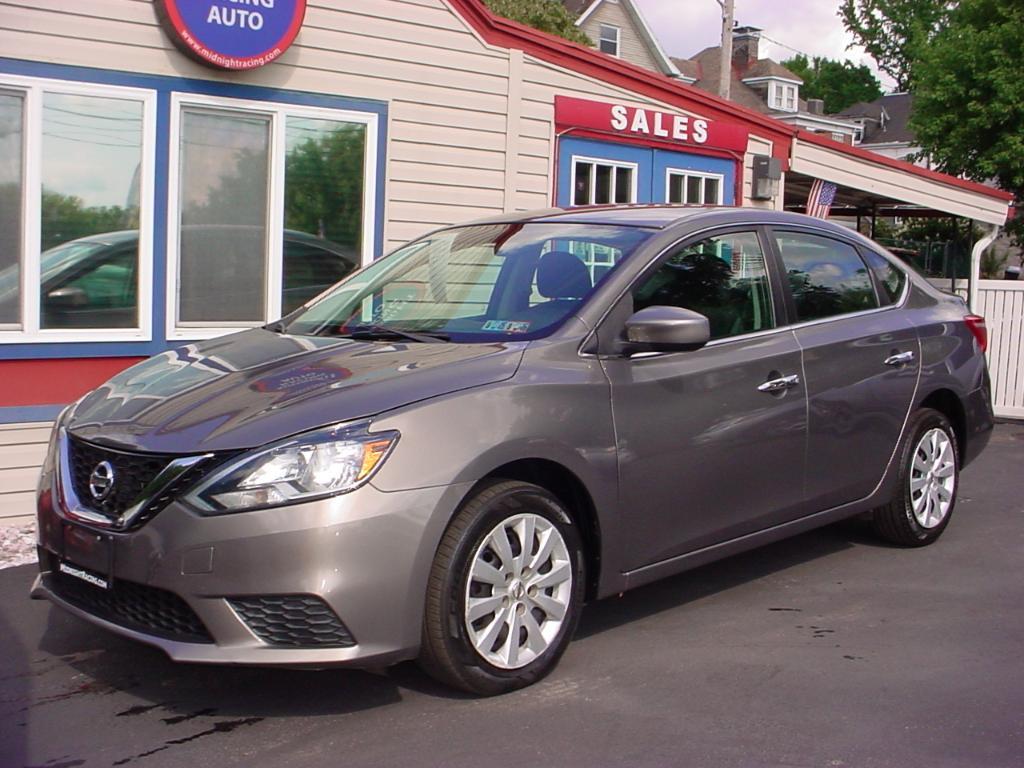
(24, 413)
(164, 86)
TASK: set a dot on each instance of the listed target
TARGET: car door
(861, 361)
(710, 442)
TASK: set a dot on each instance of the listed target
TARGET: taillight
(976, 324)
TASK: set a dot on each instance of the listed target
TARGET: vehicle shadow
(686, 587)
(176, 692)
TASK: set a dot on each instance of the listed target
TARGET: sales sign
(651, 125)
(232, 34)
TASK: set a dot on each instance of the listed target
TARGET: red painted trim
(903, 165)
(650, 143)
(502, 32)
(45, 382)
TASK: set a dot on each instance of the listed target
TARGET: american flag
(819, 201)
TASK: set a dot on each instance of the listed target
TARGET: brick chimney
(745, 41)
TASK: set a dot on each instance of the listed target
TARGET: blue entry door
(594, 172)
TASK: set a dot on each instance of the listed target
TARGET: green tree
(839, 83)
(968, 112)
(546, 15)
(894, 32)
(65, 217)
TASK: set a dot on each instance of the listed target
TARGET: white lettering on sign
(619, 121)
(682, 129)
(235, 17)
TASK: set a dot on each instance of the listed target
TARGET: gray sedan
(444, 456)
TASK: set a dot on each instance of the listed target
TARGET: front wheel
(505, 590)
(926, 493)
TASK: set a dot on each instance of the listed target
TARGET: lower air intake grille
(297, 621)
(135, 606)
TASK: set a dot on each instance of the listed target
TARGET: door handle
(901, 358)
(780, 384)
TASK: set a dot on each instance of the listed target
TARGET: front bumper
(366, 555)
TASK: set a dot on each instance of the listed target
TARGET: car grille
(134, 606)
(298, 621)
(133, 472)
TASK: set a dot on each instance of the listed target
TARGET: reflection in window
(722, 278)
(827, 276)
(323, 197)
(599, 183)
(888, 279)
(694, 188)
(12, 192)
(223, 204)
(91, 174)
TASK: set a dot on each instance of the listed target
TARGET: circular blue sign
(233, 34)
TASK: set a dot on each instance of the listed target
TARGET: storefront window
(323, 198)
(223, 202)
(91, 166)
(600, 183)
(75, 241)
(694, 188)
(270, 210)
(12, 193)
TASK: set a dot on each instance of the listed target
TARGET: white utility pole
(725, 75)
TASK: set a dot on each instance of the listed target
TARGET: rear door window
(827, 277)
(889, 280)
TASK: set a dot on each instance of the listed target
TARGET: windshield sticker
(507, 326)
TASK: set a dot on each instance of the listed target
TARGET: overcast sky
(685, 27)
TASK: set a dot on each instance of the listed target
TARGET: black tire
(448, 653)
(896, 522)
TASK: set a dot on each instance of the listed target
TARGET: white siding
(22, 450)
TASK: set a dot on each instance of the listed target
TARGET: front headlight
(311, 466)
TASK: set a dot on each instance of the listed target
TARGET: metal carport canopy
(896, 181)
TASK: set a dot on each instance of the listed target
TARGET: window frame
(278, 112)
(29, 330)
(601, 27)
(703, 175)
(576, 160)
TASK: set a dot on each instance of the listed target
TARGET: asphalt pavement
(829, 649)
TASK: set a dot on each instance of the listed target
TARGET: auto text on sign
(233, 34)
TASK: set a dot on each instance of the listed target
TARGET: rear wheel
(926, 493)
(505, 590)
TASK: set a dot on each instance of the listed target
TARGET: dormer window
(608, 39)
(783, 96)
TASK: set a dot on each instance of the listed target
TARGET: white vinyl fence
(1001, 303)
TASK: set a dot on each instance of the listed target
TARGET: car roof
(657, 216)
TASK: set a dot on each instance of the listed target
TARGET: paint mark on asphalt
(138, 710)
(224, 726)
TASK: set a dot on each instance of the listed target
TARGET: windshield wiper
(375, 332)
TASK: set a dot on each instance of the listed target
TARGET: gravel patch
(17, 545)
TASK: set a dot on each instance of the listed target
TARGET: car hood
(251, 388)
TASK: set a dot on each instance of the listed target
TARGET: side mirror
(667, 329)
(62, 299)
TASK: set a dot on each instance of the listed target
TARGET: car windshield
(474, 283)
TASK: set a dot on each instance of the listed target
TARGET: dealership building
(225, 160)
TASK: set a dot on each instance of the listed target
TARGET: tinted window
(722, 277)
(827, 276)
(310, 270)
(888, 279)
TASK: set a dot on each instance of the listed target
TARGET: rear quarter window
(889, 279)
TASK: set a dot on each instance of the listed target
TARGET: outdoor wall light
(767, 173)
